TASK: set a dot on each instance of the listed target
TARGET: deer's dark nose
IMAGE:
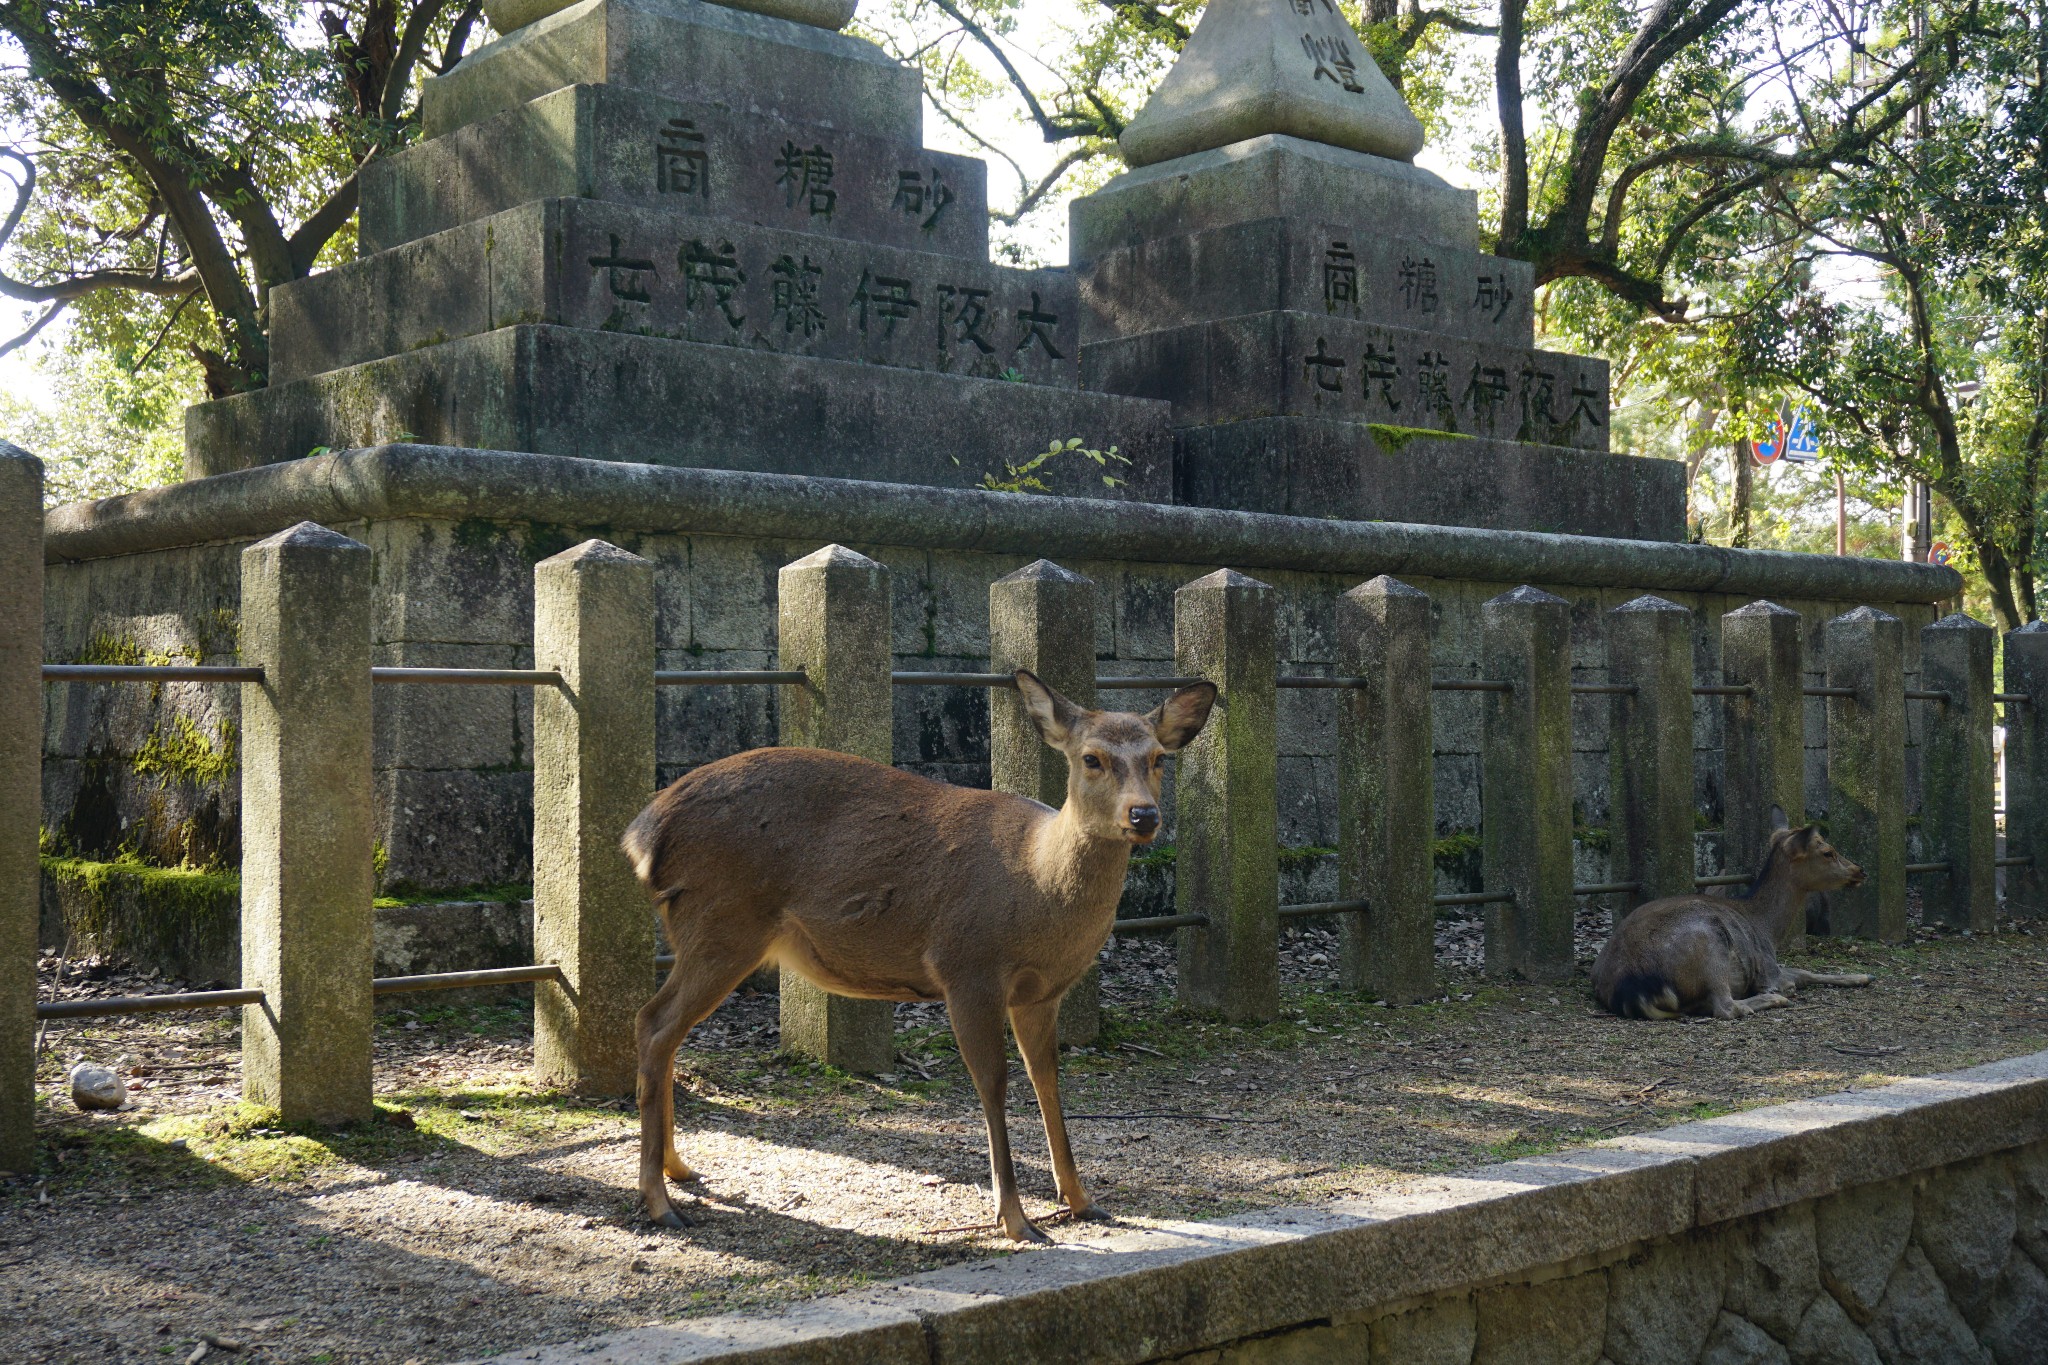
(1144, 819)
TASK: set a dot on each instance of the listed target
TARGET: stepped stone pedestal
(696, 234)
(673, 232)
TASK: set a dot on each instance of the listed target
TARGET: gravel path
(489, 1215)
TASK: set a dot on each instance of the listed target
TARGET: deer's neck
(1076, 868)
(1772, 906)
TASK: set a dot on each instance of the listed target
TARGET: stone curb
(1177, 1288)
(435, 481)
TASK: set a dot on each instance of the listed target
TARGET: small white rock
(95, 1087)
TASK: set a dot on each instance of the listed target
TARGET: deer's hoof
(1028, 1232)
(1091, 1214)
(1856, 979)
(671, 1219)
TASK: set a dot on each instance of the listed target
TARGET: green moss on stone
(181, 752)
(1392, 439)
(144, 912)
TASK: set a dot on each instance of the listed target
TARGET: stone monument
(1317, 309)
(676, 232)
(686, 233)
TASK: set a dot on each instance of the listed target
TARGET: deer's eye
(1091, 763)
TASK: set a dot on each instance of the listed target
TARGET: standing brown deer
(889, 886)
(1717, 955)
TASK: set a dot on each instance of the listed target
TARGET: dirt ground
(484, 1215)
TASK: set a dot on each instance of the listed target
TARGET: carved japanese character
(1381, 368)
(915, 193)
(798, 289)
(963, 312)
(716, 273)
(1037, 326)
(1340, 279)
(1433, 384)
(1493, 296)
(1418, 284)
(625, 274)
(807, 176)
(681, 165)
(1539, 397)
(1333, 60)
(1326, 369)
(1587, 403)
(1486, 391)
(888, 298)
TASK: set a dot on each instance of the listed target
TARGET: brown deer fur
(1715, 954)
(888, 886)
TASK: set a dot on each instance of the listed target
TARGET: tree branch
(1045, 186)
(1054, 130)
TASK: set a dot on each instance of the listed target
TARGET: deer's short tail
(640, 842)
(1644, 995)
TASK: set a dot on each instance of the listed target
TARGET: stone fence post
(1865, 650)
(593, 771)
(21, 795)
(1386, 793)
(1763, 741)
(1226, 864)
(1649, 647)
(2026, 770)
(1525, 778)
(834, 626)
(1042, 617)
(1958, 785)
(307, 846)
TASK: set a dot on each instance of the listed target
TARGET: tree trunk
(1744, 472)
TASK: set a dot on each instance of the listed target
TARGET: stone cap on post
(1255, 67)
(509, 15)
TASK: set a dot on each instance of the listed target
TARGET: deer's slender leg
(978, 1030)
(703, 976)
(1801, 977)
(1038, 1037)
(1742, 1009)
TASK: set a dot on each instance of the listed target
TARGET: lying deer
(1715, 954)
(889, 886)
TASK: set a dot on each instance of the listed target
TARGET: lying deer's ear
(1052, 713)
(1779, 820)
(1179, 718)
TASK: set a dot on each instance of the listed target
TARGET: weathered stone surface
(1386, 826)
(1252, 68)
(593, 394)
(834, 628)
(21, 790)
(508, 15)
(1310, 1346)
(1866, 754)
(836, 1332)
(1309, 365)
(1558, 1322)
(1860, 1235)
(1340, 269)
(1827, 1336)
(1663, 1302)
(1735, 1341)
(2016, 1323)
(687, 50)
(1269, 177)
(2026, 767)
(1959, 774)
(306, 829)
(1764, 733)
(1322, 468)
(1773, 1269)
(1964, 1219)
(689, 158)
(593, 771)
(2030, 1181)
(606, 267)
(1226, 789)
(1916, 1322)
(1526, 785)
(1650, 753)
(96, 1087)
(1442, 1333)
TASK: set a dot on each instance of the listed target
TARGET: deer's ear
(1779, 820)
(1052, 713)
(1178, 719)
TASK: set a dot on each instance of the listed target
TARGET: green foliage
(1023, 478)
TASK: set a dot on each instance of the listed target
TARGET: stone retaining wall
(455, 535)
(1901, 1224)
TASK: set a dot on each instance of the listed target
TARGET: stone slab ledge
(1179, 1287)
(398, 481)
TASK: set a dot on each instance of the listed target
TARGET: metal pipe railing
(719, 677)
(1912, 869)
(1474, 898)
(1323, 908)
(1158, 924)
(450, 981)
(1469, 685)
(84, 673)
(115, 1005)
(469, 677)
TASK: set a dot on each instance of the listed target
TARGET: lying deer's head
(1115, 759)
(1813, 863)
